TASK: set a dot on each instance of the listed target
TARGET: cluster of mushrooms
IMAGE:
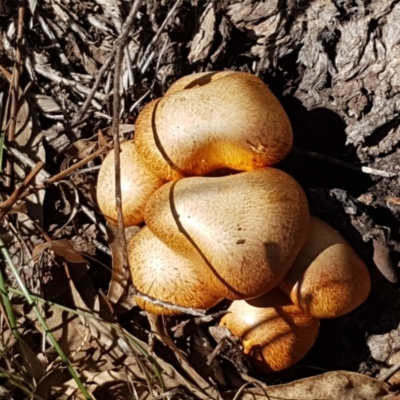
(221, 223)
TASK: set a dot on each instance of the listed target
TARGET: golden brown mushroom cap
(161, 273)
(275, 333)
(328, 279)
(243, 230)
(137, 185)
(220, 120)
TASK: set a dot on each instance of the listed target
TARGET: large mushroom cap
(213, 120)
(328, 279)
(161, 273)
(244, 230)
(137, 185)
(275, 333)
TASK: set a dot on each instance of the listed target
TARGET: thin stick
(72, 168)
(96, 84)
(67, 82)
(6, 205)
(365, 170)
(156, 36)
(120, 44)
(120, 41)
(59, 176)
(14, 88)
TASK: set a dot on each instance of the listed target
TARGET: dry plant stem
(58, 79)
(156, 36)
(6, 205)
(96, 84)
(61, 175)
(185, 310)
(120, 40)
(117, 149)
(15, 90)
(137, 102)
(119, 45)
(72, 168)
(365, 170)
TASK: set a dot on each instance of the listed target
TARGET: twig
(60, 80)
(48, 179)
(156, 36)
(25, 160)
(120, 40)
(137, 102)
(14, 88)
(55, 44)
(197, 312)
(55, 178)
(120, 44)
(96, 84)
(15, 196)
(74, 167)
(365, 170)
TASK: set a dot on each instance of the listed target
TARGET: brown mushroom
(244, 231)
(161, 273)
(137, 185)
(213, 120)
(275, 333)
(328, 279)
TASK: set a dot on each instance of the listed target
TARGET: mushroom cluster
(221, 223)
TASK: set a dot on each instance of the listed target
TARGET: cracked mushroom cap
(275, 333)
(328, 278)
(242, 231)
(213, 120)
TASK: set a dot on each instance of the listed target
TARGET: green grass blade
(122, 332)
(43, 323)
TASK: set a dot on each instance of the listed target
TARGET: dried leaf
(56, 282)
(81, 148)
(335, 385)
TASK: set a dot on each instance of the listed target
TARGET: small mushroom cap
(275, 333)
(243, 230)
(220, 120)
(328, 279)
(161, 273)
(137, 185)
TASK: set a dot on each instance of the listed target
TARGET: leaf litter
(334, 66)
